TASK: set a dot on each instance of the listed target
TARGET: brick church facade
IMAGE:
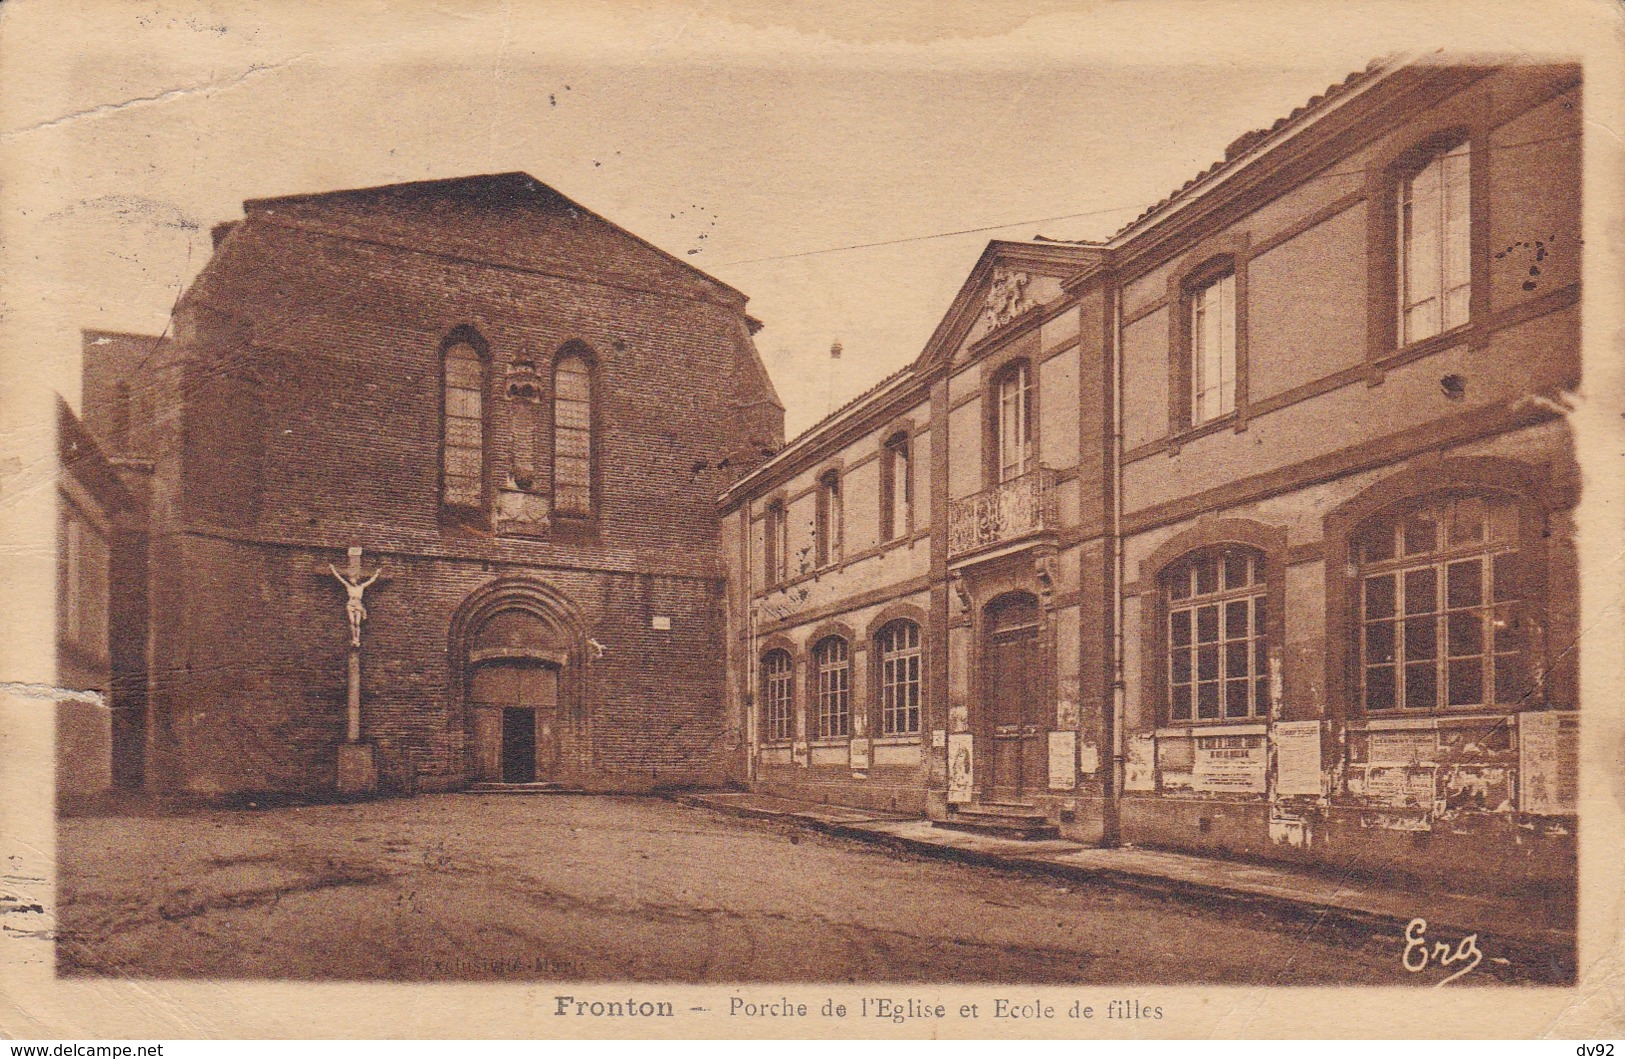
(512, 408)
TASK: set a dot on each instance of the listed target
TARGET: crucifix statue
(354, 609)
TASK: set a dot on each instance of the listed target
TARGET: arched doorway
(514, 665)
(1012, 681)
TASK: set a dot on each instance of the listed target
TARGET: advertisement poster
(960, 775)
(1232, 763)
(1297, 758)
(1063, 761)
(1549, 761)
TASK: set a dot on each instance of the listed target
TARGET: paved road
(500, 887)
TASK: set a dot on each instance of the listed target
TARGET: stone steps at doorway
(521, 788)
(1002, 820)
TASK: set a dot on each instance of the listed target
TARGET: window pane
(1235, 698)
(1207, 624)
(1379, 596)
(1379, 642)
(1466, 682)
(1207, 662)
(1465, 581)
(1506, 629)
(1179, 627)
(1421, 534)
(1207, 576)
(1179, 583)
(1180, 666)
(1236, 570)
(1258, 616)
(1261, 693)
(1421, 591)
(1509, 683)
(1235, 620)
(1236, 655)
(1207, 700)
(1466, 633)
(1421, 686)
(1503, 582)
(1379, 688)
(1180, 708)
(1421, 638)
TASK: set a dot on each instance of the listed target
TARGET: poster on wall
(960, 776)
(800, 755)
(1297, 758)
(860, 753)
(1549, 761)
(1140, 771)
(1233, 763)
(1063, 761)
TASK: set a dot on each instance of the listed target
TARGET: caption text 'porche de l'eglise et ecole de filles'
(1247, 530)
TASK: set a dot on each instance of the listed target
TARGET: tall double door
(1013, 729)
(515, 705)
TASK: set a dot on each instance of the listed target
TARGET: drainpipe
(1111, 827)
(747, 696)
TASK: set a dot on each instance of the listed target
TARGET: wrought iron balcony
(1020, 508)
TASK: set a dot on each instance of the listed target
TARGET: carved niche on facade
(1007, 296)
(522, 504)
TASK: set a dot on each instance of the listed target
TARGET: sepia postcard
(680, 520)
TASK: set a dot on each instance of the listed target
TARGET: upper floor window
(775, 544)
(898, 648)
(572, 436)
(827, 519)
(463, 448)
(778, 697)
(1218, 666)
(1434, 246)
(1015, 422)
(1437, 607)
(834, 669)
(1212, 308)
(896, 488)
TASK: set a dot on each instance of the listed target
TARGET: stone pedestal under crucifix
(357, 765)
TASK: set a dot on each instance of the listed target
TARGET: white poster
(960, 776)
(1297, 757)
(1063, 761)
(1140, 770)
(1234, 763)
(860, 753)
(1549, 761)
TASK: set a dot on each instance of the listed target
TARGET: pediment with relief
(1008, 297)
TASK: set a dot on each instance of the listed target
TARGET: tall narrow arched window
(776, 544)
(834, 675)
(462, 481)
(1435, 267)
(1218, 667)
(896, 488)
(778, 697)
(827, 519)
(572, 436)
(1015, 422)
(898, 648)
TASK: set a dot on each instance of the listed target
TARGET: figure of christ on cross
(353, 607)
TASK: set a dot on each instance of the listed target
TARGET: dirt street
(566, 887)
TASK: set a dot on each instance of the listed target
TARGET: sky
(768, 144)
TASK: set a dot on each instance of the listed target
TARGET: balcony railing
(1021, 507)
